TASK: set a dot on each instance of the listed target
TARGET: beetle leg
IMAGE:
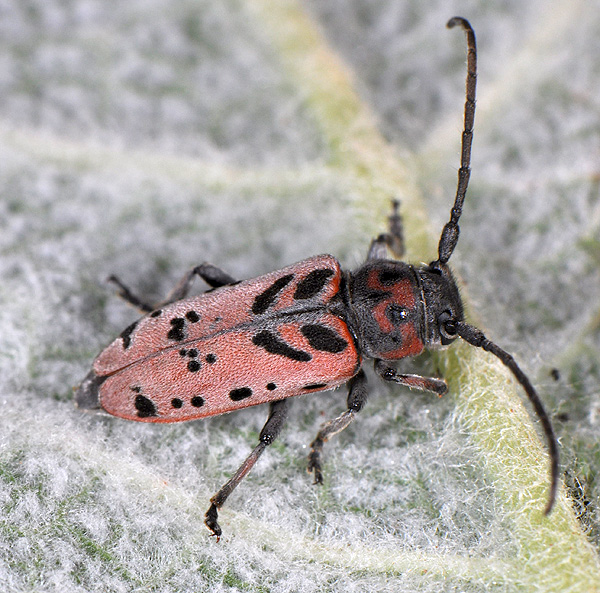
(129, 297)
(432, 384)
(212, 275)
(357, 397)
(392, 240)
(270, 431)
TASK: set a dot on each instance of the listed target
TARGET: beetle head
(442, 305)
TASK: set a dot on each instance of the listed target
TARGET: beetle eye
(447, 325)
(450, 327)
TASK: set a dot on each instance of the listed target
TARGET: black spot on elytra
(210, 358)
(136, 388)
(239, 394)
(323, 338)
(315, 386)
(389, 277)
(126, 335)
(176, 403)
(176, 332)
(192, 316)
(183, 352)
(271, 386)
(313, 283)
(145, 407)
(274, 345)
(156, 313)
(192, 353)
(193, 366)
(266, 298)
(197, 401)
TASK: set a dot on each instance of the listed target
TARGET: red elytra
(209, 364)
(301, 329)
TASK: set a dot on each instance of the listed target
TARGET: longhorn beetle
(302, 329)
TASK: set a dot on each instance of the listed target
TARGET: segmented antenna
(448, 241)
(475, 337)
(451, 231)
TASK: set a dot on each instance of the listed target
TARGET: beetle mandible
(302, 329)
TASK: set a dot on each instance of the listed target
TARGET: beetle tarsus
(327, 431)
(210, 521)
(357, 397)
(392, 241)
(314, 461)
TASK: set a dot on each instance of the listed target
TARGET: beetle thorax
(396, 309)
(387, 309)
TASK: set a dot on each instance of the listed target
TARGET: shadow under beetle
(302, 329)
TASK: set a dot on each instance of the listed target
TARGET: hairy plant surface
(141, 138)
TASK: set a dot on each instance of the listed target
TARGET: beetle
(302, 329)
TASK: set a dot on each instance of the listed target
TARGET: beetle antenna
(475, 337)
(451, 231)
